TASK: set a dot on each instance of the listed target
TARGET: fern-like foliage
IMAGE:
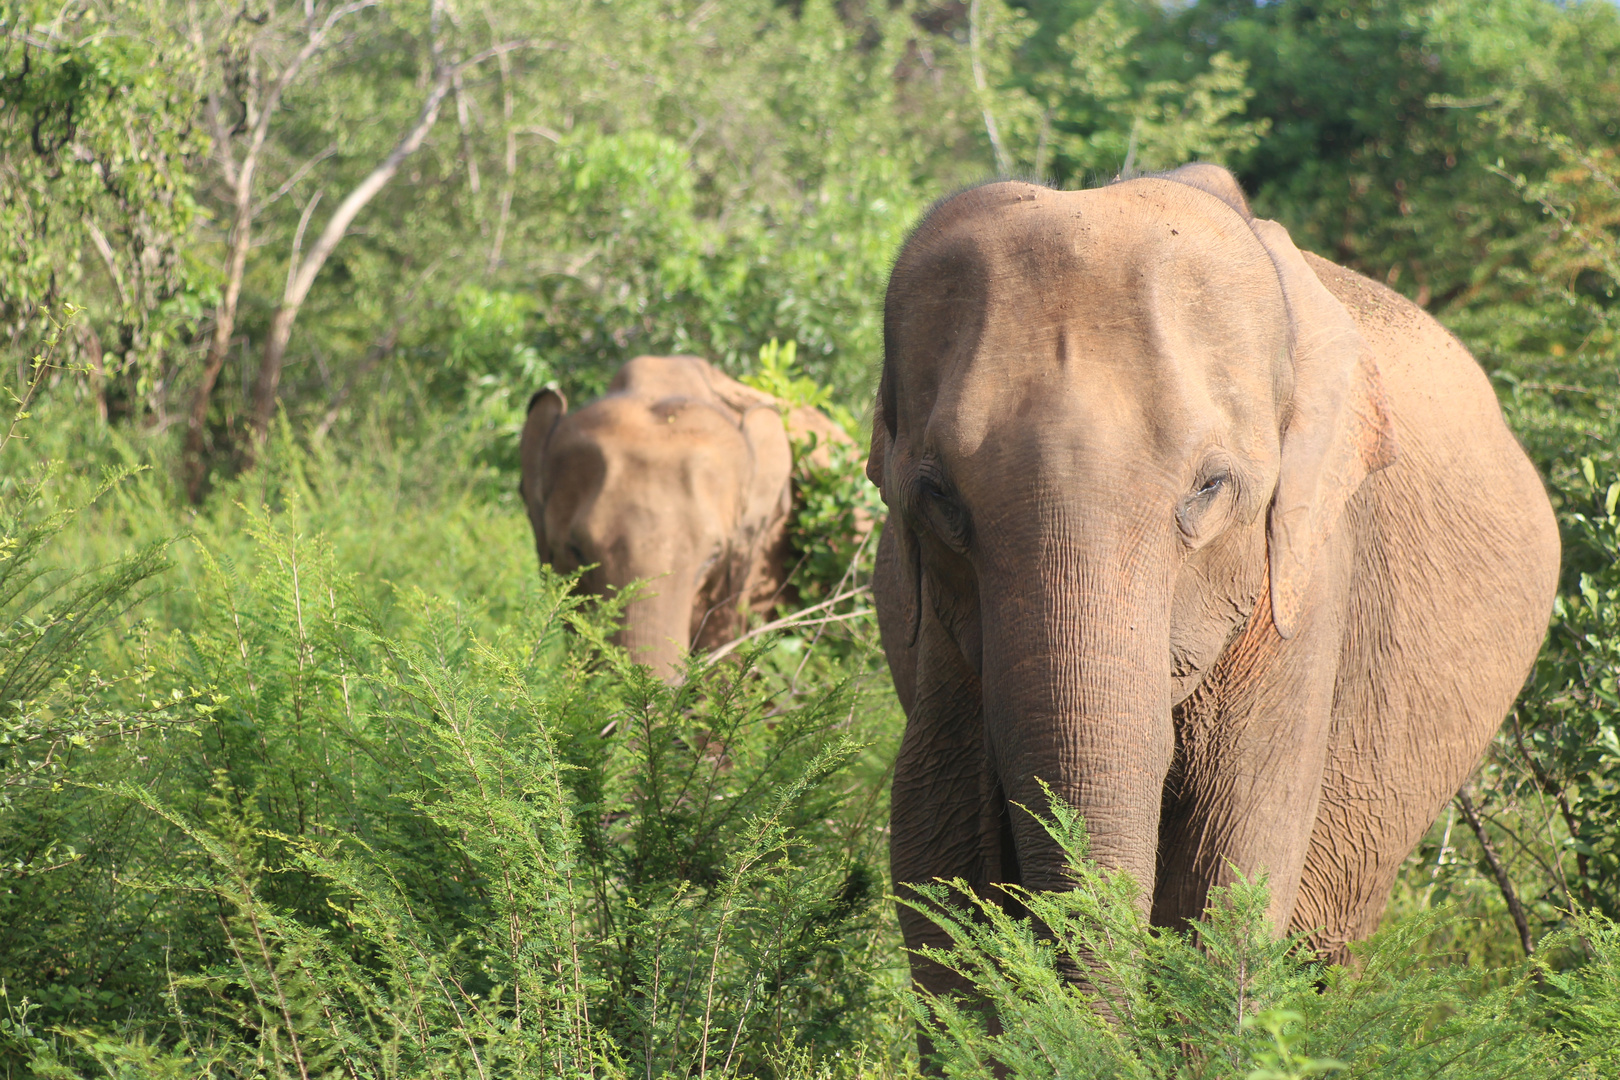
(1083, 986)
(437, 850)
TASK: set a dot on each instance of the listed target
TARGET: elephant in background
(1228, 544)
(679, 476)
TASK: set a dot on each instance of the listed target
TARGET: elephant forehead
(1148, 308)
(1023, 230)
(659, 377)
(621, 423)
(672, 456)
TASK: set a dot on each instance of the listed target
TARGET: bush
(1227, 998)
(838, 515)
(410, 838)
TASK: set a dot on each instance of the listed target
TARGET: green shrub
(53, 705)
(438, 849)
(838, 518)
(1227, 998)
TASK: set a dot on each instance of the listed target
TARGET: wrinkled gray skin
(1228, 544)
(679, 477)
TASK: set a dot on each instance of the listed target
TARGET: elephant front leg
(938, 810)
(1252, 747)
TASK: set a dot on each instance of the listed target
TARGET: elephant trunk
(657, 627)
(1077, 694)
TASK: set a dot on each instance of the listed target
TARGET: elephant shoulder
(1371, 304)
(1461, 471)
(736, 396)
(805, 423)
(1425, 369)
(802, 422)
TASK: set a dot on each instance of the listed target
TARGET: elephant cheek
(1216, 592)
(951, 589)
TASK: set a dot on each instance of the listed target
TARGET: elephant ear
(1338, 428)
(768, 494)
(905, 561)
(545, 409)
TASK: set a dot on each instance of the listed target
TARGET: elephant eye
(1191, 514)
(942, 510)
(577, 555)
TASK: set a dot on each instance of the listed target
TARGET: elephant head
(1112, 426)
(678, 477)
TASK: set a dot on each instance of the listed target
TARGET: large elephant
(1228, 544)
(680, 477)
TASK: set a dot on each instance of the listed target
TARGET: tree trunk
(98, 370)
(241, 178)
(196, 464)
(304, 273)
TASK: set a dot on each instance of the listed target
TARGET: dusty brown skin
(1228, 544)
(678, 476)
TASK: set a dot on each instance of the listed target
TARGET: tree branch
(464, 123)
(1515, 909)
(298, 174)
(981, 84)
(298, 234)
(108, 259)
(300, 281)
(797, 619)
(240, 176)
(509, 161)
(1547, 786)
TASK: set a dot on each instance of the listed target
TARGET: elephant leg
(1374, 805)
(1252, 747)
(1402, 747)
(1347, 881)
(937, 808)
(1431, 665)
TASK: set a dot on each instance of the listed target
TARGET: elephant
(1229, 545)
(681, 477)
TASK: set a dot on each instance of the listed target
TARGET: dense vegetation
(306, 771)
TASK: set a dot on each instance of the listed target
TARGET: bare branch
(379, 177)
(222, 139)
(241, 175)
(981, 84)
(1498, 871)
(292, 181)
(98, 369)
(1545, 786)
(104, 249)
(464, 123)
(844, 581)
(797, 619)
(509, 161)
(300, 281)
(298, 234)
(317, 39)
